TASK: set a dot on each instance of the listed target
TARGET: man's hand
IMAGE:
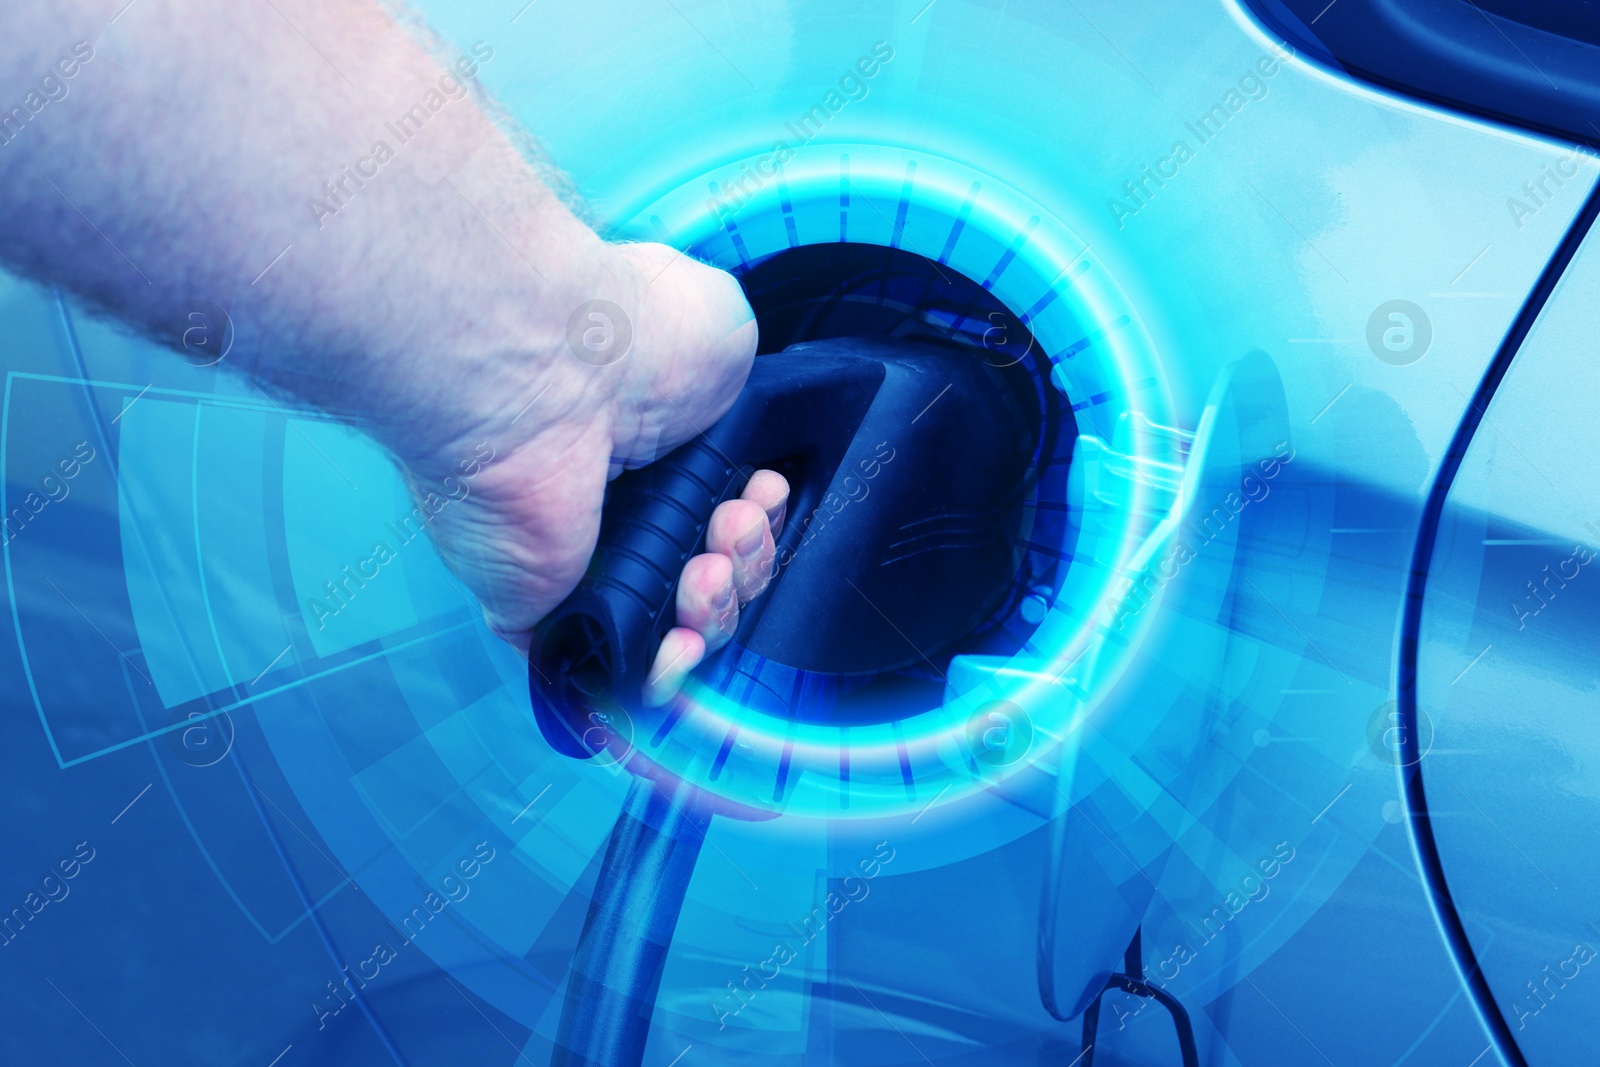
(334, 184)
(523, 536)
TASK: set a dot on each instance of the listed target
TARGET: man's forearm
(379, 243)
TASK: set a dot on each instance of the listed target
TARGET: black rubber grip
(796, 412)
(611, 625)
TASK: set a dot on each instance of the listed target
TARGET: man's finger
(770, 491)
(707, 602)
(739, 530)
(681, 652)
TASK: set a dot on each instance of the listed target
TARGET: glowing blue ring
(1103, 361)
